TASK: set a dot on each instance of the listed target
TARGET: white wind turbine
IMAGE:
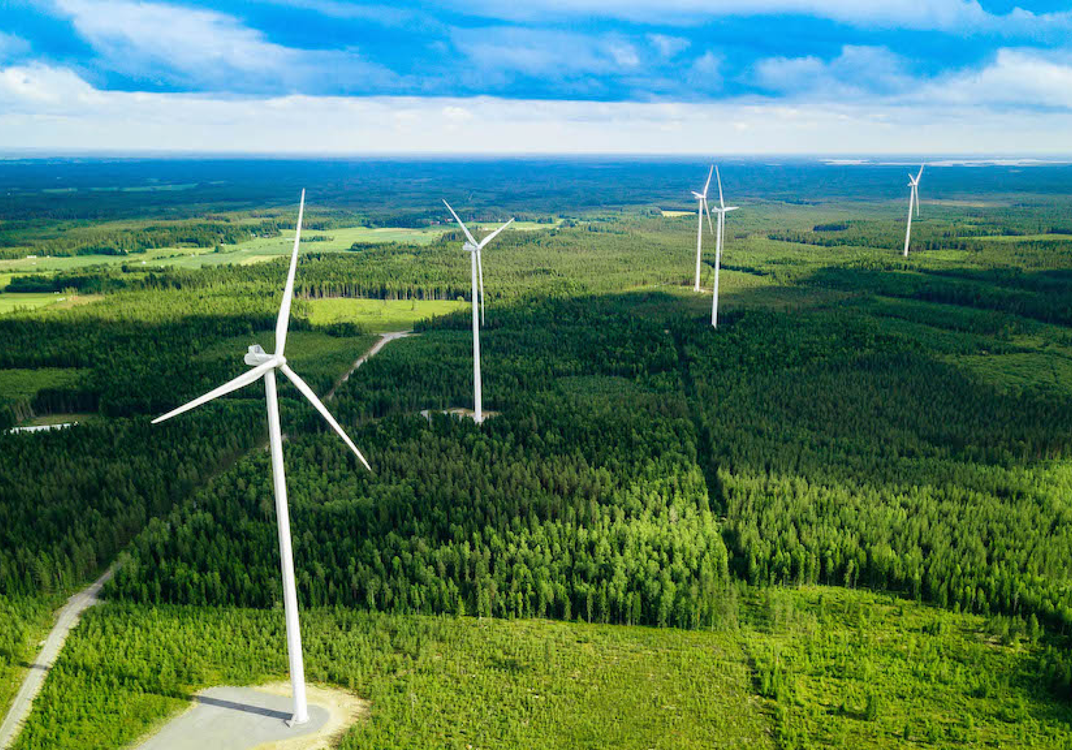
(913, 199)
(474, 248)
(720, 237)
(264, 366)
(701, 199)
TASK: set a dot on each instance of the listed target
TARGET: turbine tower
(702, 200)
(720, 237)
(913, 199)
(264, 366)
(473, 248)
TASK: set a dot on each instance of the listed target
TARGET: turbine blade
(283, 321)
(708, 209)
(319, 406)
(460, 223)
(920, 172)
(708, 183)
(721, 203)
(232, 385)
(492, 236)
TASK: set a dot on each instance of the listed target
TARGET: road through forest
(69, 615)
(66, 620)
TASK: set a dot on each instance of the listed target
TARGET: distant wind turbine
(264, 366)
(473, 247)
(701, 198)
(720, 238)
(913, 199)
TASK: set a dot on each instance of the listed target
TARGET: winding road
(72, 611)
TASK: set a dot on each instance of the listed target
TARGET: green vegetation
(377, 316)
(859, 421)
(819, 667)
(10, 302)
(24, 621)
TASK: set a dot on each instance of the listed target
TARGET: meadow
(840, 520)
(816, 667)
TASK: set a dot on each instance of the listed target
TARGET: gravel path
(65, 622)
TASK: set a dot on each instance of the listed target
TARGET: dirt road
(65, 622)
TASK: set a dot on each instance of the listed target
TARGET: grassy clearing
(1026, 238)
(50, 419)
(20, 384)
(256, 250)
(12, 301)
(1022, 370)
(431, 682)
(859, 670)
(375, 315)
(805, 668)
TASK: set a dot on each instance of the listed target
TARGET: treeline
(843, 453)
(82, 240)
(583, 499)
(1043, 295)
(71, 499)
(568, 511)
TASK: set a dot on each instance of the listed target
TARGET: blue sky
(677, 76)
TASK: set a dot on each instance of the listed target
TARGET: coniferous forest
(842, 519)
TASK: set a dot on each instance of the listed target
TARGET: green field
(255, 250)
(819, 667)
(27, 301)
(18, 384)
(377, 315)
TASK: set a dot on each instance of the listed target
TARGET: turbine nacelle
(256, 356)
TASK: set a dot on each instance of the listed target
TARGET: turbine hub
(469, 247)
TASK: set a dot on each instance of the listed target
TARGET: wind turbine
(264, 366)
(720, 238)
(913, 198)
(473, 247)
(701, 198)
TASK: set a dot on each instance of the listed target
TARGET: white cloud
(1016, 77)
(1030, 78)
(856, 71)
(38, 88)
(53, 109)
(12, 46)
(539, 52)
(705, 72)
(959, 16)
(668, 46)
(193, 48)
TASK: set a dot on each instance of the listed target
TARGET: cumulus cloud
(858, 70)
(549, 53)
(1015, 78)
(668, 46)
(53, 109)
(193, 48)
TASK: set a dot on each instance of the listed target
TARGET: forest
(868, 450)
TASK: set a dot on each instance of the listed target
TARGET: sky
(537, 77)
